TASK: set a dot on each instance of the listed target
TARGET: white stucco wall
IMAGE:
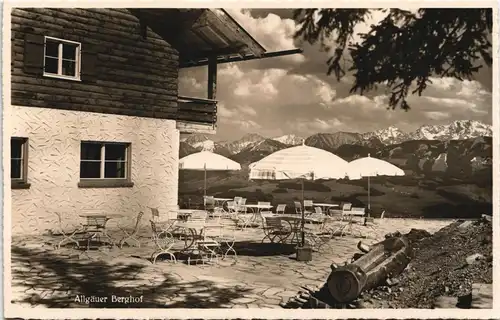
(54, 166)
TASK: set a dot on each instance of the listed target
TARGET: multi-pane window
(62, 58)
(18, 160)
(104, 160)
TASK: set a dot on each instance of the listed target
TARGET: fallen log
(384, 260)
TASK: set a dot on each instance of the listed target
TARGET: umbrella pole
(302, 218)
(205, 181)
(369, 205)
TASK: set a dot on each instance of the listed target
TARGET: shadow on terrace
(47, 278)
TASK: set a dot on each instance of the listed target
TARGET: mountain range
(460, 149)
(457, 130)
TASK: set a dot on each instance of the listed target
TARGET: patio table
(184, 214)
(188, 232)
(219, 202)
(294, 222)
(325, 207)
(96, 224)
(255, 210)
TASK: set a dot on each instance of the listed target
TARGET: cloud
(279, 96)
(437, 115)
(272, 32)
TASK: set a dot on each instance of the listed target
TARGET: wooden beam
(212, 77)
(204, 62)
(190, 127)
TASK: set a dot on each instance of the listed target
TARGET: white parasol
(299, 162)
(207, 161)
(372, 167)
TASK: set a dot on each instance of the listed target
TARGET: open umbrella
(206, 160)
(372, 167)
(299, 162)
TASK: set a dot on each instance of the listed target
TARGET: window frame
(22, 182)
(103, 182)
(78, 59)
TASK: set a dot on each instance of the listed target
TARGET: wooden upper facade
(127, 60)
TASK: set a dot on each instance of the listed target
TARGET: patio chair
(346, 209)
(167, 222)
(231, 206)
(69, 229)
(209, 203)
(204, 245)
(217, 214)
(131, 235)
(264, 211)
(308, 207)
(224, 237)
(317, 239)
(163, 240)
(333, 226)
(280, 208)
(317, 216)
(372, 224)
(354, 212)
(273, 228)
(241, 206)
(298, 207)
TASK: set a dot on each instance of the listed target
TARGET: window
(62, 58)
(19, 163)
(105, 164)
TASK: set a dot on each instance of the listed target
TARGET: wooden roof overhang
(199, 34)
(203, 37)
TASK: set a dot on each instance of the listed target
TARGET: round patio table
(188, 232)
(96, 224)
(325, 207)
(294, 222)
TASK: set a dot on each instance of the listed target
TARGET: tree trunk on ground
(384, 260)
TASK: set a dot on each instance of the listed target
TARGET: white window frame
(78, 55)
(103, 161)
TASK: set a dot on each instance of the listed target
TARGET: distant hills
(460, 149)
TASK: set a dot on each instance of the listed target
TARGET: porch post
(212, 77)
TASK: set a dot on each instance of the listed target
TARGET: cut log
(482, 296)
(346, 283)
(385, 259)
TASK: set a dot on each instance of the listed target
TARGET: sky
(294, 95)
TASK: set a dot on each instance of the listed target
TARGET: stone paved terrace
(262, 276)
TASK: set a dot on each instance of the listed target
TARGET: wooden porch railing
(197, 110)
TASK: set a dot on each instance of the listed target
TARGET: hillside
(443, 178)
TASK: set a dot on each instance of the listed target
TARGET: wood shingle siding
(122, 72)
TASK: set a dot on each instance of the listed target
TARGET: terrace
(262, 275)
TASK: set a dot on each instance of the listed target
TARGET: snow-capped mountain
(457, 130)
(246, 141)
(200, 142)
(289, 139)
(389, 135)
